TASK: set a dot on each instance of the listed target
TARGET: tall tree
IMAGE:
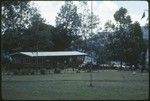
(118, 40)
(109, 26)
(86, 25)
(136, 49)
(38, 38)
(69, 17)
(126, 43)
(46, 38)
(15, 19)
(98, 44)
(17, 16)
(61, 38)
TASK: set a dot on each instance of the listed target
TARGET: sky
(104, 9)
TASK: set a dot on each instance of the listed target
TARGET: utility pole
(91, 76)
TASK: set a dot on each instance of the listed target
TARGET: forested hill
(145, 32)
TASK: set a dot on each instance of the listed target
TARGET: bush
(32, 72)
(78, 71)
(16, 73)
(42, 72)
(57, 71)
(89, 70)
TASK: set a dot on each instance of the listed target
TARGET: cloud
(49, 10)
(105, 10)
(136, 17)
(106, 6)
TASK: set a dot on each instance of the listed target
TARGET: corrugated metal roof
(54, 53)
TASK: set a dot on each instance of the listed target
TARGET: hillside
(145, 33)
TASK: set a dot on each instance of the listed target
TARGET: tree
(69, 17)
(61, 38)
(86, 24)
(136, 50)
(119, 39)
(46, 38)
(16, 17)
(126, 43)
(98, 44)
(15, 14)
(38, 38)
(145, 53)
(109, 26)
(9, 41)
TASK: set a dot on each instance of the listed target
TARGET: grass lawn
(107, 85)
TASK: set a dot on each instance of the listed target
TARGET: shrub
(57, 71)
(78, 71)
(42, 72)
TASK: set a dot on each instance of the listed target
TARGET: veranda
(34, 61)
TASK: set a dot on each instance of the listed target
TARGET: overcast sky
(104, 9)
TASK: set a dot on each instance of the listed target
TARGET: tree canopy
(23, 29)
(126, 43)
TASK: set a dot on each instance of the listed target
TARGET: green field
(107, 85)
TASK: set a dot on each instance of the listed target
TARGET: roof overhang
(51, 54)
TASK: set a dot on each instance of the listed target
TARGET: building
(60, 59)
(89, 59)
